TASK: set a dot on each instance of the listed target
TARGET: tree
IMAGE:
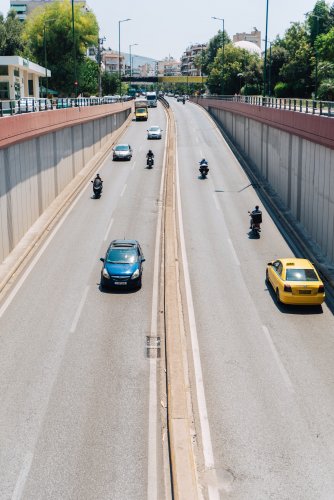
(110, 83)
(318, 20)
(10, 35)
(210, 52)
(226, 74)
(297, 69)
(88, 77)
(55, 21)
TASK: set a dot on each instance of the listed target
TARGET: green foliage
(326, 90)
(52, 24)
(210, 52)
(110, 83)
(226, 71)
(10, 35)
(318, 20)
(282, 89)
(297, 68)
(325, 45)
(88, 77)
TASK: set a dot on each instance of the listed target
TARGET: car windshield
(301, 275)
(122, 256)
(121, 148)
(154, 129)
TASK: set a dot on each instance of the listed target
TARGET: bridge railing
(310, 106)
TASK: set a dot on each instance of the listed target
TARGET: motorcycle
(204, 169)
(256, 220)
(97, 190)
(150, 162)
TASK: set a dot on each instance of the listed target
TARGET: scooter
(97, 190)
(256, 220)
(150, 162)
(204, 170)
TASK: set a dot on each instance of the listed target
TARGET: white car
(122, 152)
(154, 132)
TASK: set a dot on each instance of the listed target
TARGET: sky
(163, 29)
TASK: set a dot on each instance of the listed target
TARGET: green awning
(50, 91)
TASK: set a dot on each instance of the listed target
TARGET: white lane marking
(21, 481)
(123, 190)
(78, 311)
(152, 471)
(133, 165)
(19, 284)
(108, 229)
(234, 253)
(200, 393)
(280, 365)
(216, 201)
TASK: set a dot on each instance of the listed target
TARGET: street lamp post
(119, 53)
(265, 53)
(223, 64)
(74, 53)
(131, 45)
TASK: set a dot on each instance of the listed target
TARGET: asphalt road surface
(78, 413)
(267, 371)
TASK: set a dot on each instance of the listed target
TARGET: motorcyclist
(97, 182)
(184, 100)
(150, 154)
(254, 212)
(203, 163)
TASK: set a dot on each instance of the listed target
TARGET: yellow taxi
(295, 281)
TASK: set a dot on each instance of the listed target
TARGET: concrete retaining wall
(36, 164)
(300, 170)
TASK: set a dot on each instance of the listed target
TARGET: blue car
(122, 265)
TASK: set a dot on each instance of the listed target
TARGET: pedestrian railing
(31, 105)
(308, 106)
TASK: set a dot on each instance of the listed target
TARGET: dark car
(122, 265)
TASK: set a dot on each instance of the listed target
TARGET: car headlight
(105, 273)
(135, 274)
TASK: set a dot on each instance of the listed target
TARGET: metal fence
(32, 105)
(322, 108)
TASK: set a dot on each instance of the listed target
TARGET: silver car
(154, 132)
(122, 152)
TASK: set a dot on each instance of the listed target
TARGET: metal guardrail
(31, 105)
(307, 106)
(163, 101)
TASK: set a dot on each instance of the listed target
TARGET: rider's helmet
(257, 207)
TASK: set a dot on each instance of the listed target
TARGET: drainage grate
(153, 349)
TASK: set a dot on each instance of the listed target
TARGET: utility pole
(265, 54)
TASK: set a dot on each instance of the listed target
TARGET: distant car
(122, 152)
(295, 281)
(180, 98)
(122, 265)
(154, 132)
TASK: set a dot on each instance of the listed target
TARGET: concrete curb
(181, 450)
(44, 224)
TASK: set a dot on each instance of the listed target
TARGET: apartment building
(189, 63)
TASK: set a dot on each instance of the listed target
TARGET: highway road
(79, 413)
(80, 400)
(265, 426)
